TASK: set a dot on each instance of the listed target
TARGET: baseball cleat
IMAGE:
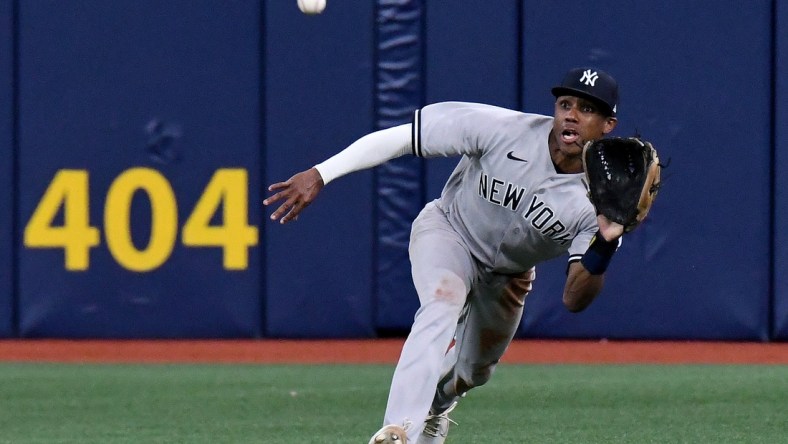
(436, 427)
(390, 434)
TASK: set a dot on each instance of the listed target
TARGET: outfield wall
(141, 136)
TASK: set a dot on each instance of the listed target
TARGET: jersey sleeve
(588, 227)
(457, 128)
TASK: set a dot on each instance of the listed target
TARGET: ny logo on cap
(589, 77)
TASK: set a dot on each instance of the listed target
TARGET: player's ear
(610, 124)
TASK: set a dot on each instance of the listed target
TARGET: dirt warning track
(382, 351)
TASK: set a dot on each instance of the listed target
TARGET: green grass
(62, 403)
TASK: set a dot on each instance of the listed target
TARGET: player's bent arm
(585, 277)
(581, 287)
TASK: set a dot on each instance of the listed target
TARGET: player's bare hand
(610, 230)
(295, 194)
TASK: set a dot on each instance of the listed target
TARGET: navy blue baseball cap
(592, 84)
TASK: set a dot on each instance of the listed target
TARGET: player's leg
(442, 271)
(487, 327)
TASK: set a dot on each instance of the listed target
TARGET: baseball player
(515, 199)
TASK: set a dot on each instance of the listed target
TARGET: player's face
(577, 121)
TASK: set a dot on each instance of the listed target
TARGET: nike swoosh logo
(511, 155)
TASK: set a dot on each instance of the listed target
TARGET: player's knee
(478, 377)
(449, 288)
(481, 376)
(518, 287)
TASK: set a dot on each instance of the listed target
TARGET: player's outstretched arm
(296, 193)
(371, 150)
(586, 277)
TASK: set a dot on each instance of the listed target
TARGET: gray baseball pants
(467, 318)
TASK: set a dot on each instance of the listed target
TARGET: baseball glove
(623, 178)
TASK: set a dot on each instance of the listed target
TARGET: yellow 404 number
(227, 188)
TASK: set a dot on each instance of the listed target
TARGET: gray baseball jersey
(504, 209)
(505, 197)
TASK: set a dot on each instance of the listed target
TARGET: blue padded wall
(464, 59)
(319, 98)
(399, 183)
(6, 170)
(167, 96)
(780, 320)
(698, 268)
(107, 88)
(472, 60)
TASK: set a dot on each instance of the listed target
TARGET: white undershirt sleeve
(367, 152)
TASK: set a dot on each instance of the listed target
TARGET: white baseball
(311, 7)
